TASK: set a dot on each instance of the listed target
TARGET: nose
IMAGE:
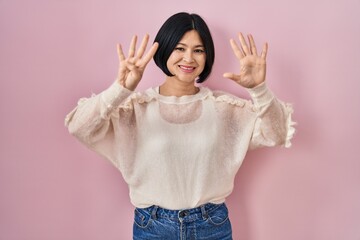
(188, 56)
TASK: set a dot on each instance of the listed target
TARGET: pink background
(54, 52)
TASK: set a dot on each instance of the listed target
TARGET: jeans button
(182, 214)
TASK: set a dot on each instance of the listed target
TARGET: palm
(252, 66)
(129, 75)
(252, 71)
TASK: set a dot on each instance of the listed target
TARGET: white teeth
(187, 68)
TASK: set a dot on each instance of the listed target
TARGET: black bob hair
(171, 33)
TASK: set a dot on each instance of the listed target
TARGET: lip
(187, 69)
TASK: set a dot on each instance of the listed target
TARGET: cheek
(201, 61)
(174, 57)
(172, 60)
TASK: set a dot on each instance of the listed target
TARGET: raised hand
(252, 66)
(132, 67)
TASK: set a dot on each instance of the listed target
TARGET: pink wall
(54, 52)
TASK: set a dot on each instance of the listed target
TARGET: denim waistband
(188, 215)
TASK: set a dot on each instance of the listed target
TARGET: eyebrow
(200, 45)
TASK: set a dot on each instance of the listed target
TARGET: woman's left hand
(252, 66)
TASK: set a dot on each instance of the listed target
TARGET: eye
(181, 49)
(199, 51)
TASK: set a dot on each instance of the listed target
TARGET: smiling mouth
(187, 69)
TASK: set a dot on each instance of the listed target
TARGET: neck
(173, 87)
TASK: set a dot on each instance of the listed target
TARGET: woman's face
(187, 61)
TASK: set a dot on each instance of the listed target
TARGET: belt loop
(153, 212)
(204, 212)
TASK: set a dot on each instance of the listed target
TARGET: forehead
(191, 37)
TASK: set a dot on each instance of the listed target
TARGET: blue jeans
(209, 221)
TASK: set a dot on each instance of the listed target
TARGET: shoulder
(138, 97)
(223, 97)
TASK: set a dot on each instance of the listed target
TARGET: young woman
(179, 145)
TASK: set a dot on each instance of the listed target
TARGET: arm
(95, 121)
(273, 125)
(90, 120)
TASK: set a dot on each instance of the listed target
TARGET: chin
(186, 79)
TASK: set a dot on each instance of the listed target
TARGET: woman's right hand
(132, 67)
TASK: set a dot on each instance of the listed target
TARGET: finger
(237, 51)
(131, 66)
(149, 55)
(244, 45)
(132, 60)
(132, 47)
(143, 45)
(231, 76)
(264, 51)
(252, 45)
(120, 53)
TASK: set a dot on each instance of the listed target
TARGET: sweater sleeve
(95, 121)
(273, 125)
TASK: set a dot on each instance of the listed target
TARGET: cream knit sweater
(179, 152)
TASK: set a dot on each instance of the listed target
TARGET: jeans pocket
(219, 215)
(142, 218)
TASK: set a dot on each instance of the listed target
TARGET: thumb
(231, 76)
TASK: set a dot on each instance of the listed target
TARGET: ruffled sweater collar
(202, 94)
